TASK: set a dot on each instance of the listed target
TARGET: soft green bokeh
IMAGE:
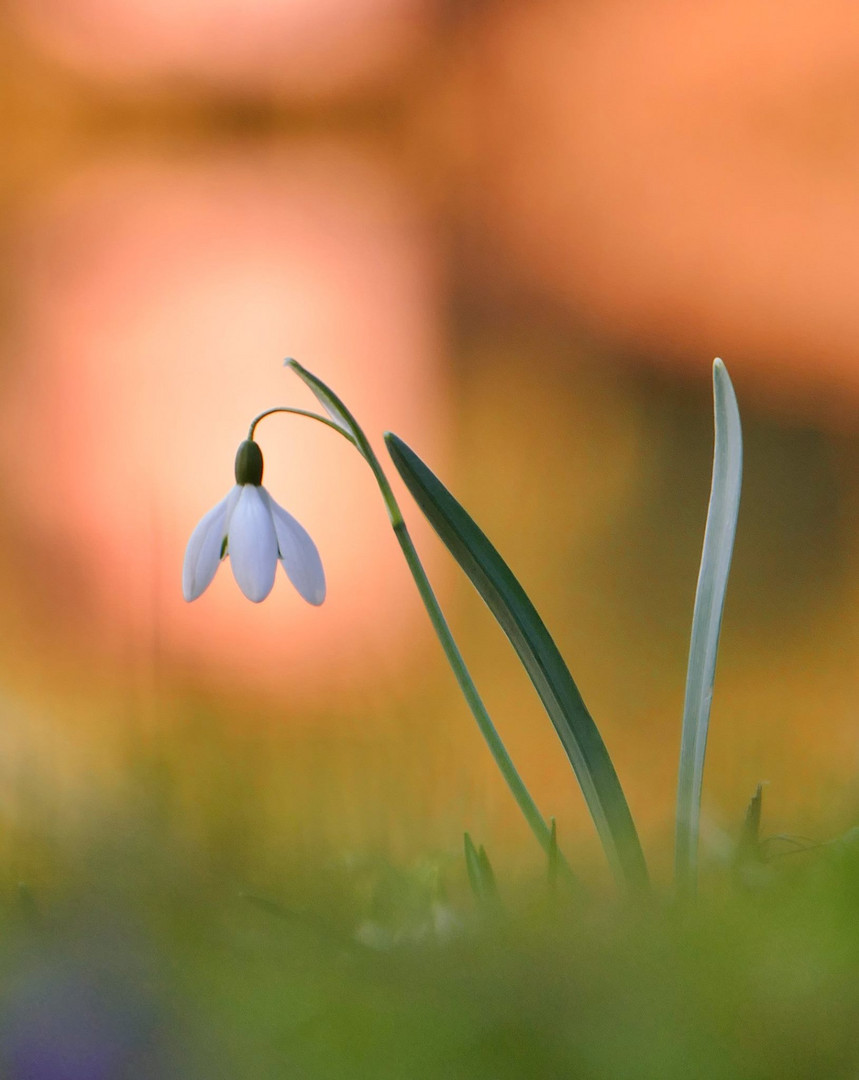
(192, 957)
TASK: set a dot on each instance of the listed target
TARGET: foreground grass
(130, 953)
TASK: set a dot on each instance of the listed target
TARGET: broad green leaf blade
(707, 621)
(526, 631)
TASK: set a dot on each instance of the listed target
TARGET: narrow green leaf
(707, 621)
(481, 876)
(752, 822)
(553, 856)
(474, 868)
(526, 631)
(749, 844)
(490, 887)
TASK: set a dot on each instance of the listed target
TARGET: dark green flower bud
(249, 464)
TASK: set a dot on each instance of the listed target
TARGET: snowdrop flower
(250, 527)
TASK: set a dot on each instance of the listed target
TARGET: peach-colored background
(517, 235)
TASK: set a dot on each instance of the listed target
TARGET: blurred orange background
(515, 233)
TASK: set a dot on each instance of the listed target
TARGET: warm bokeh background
(515, 233)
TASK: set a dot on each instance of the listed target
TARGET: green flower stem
(520, 793)
(299, 412)
(466, 684)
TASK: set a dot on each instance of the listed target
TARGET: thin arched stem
(514, 781)
(298, 412)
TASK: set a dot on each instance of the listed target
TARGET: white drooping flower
(250, 527)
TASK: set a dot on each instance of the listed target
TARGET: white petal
(298, 554)
(203, 553)
(232, 501)
(253, 544)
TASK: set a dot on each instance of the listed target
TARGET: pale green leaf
(707, 621)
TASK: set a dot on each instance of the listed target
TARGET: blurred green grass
(161, 951)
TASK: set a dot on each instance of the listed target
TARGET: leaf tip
(720, 373)
(396, 447)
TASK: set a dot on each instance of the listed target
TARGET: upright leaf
(489, 883)
(749, 844)
(480, 873)
(538, 653)
(707, 621)
(552, 868)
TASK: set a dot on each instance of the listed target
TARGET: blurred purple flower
(61, 1024)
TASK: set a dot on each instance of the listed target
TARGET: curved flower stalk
(341, 419)
(256, 533)
(241, 525)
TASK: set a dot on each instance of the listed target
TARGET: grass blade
(751, 834)
(472, 865)
(552, 868)
(749, 843)
(526, 631)
(489, 885)
(480, 873)
(706, 623)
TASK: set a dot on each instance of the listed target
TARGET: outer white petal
(253, 544)
(298, 554)
(203, 553)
